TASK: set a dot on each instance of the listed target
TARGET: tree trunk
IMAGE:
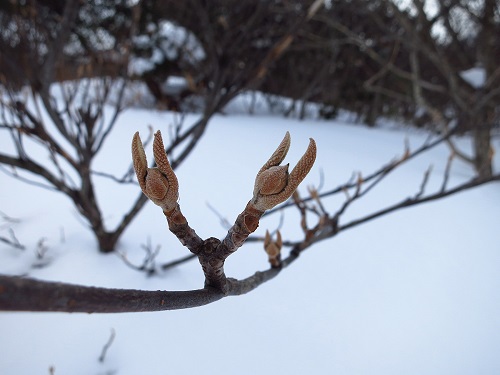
(483, 149)
(106, 241)
(487, 56)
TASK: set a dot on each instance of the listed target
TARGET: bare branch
(106, 346)
(223, 221)
(24, 294)
(177, 262)
(20, 294)
(148, 263)
(426, 146)
(447, 171)
(424, 182)
(12, 241)
(415, 201)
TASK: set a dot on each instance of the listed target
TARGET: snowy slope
(414, 292)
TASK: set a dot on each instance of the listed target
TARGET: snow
(171, 42)
(413, 292)
(476, 77)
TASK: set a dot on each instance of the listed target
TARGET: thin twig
(446, 175)
(223, 221)
(107, 345)
(177, 262)
(412, 201)
(425, 180)
(127, 178)
(13, 241)
(427, 145)
(148, 264)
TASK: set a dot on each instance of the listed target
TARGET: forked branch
(273, 185)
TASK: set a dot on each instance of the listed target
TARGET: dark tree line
(378, 60)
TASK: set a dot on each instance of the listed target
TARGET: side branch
(419, 200)
(380, 173)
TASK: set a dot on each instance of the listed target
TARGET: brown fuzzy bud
(272, 180)
(273, 184)
(273, 249)
(159, 184)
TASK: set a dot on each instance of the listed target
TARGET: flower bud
(273, 249)
(158, 184)
(273, 184)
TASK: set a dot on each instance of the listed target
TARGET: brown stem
(179, 226)
(24, 294)
(211, 252)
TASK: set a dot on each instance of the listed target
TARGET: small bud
(273, 249)
(360, 180)
(313, 192)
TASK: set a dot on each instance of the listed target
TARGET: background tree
(70, 121)
(407, 62)
(89, 35)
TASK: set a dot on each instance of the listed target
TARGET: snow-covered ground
(413, 292)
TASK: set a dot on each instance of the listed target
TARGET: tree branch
(419, 200)
(384, 170)
(25, 294)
